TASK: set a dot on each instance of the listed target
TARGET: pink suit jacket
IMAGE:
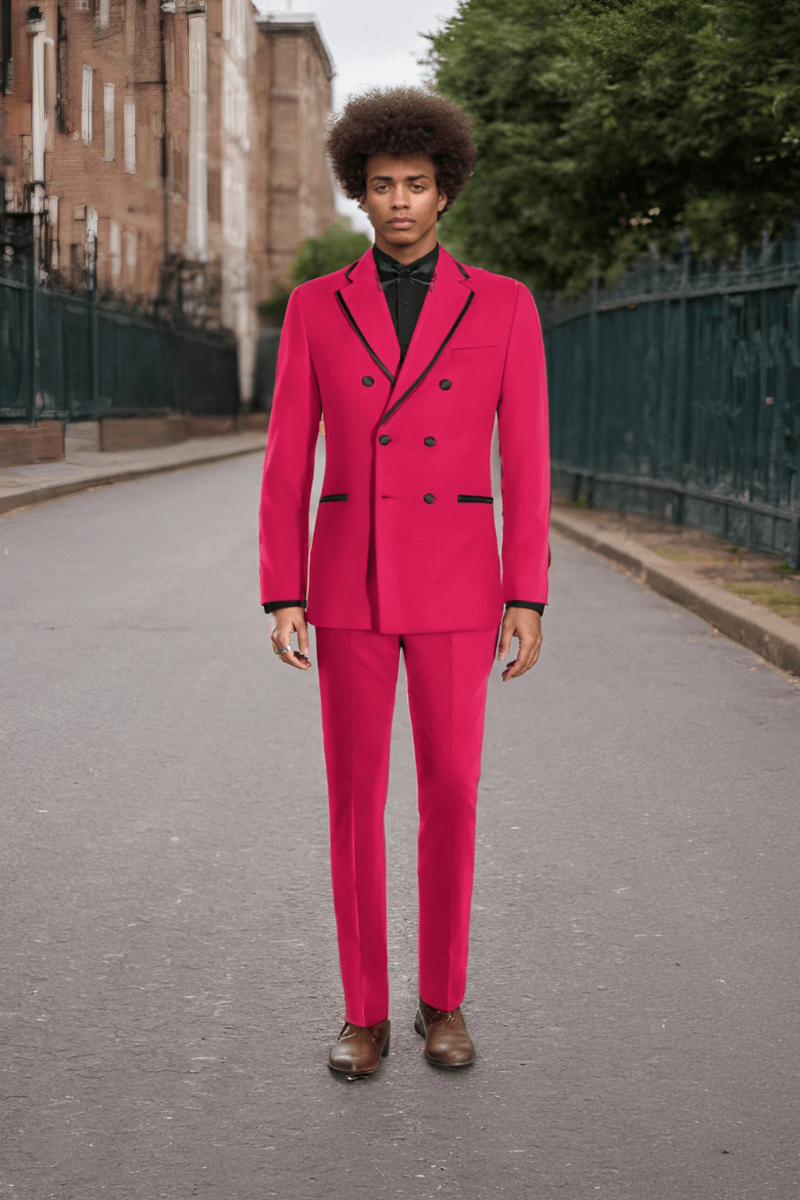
(405, 539)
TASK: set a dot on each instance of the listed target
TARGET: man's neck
(408, 253)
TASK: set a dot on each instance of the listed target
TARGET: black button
(428, 498)
(445, 385)
(384, 439)
(367, 381)
(430, 441)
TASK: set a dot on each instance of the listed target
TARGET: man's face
(402, 201)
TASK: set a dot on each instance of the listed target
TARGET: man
(410, 356)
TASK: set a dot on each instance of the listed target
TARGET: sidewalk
(700, 572)
(21, 486)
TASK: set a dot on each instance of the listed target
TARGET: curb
(36, 495)
(759, 630)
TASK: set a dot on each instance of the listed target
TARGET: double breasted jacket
(404, 540)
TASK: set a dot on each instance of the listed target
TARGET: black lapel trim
(463, 271)
(349, 269)
(351, 319)
(419, 380)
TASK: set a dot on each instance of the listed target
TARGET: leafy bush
(337, 247)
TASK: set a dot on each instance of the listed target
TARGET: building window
(131, 257)
(115, 252)
(108, 122)
(6, 61)
(197, 199)
(130, 138)
(101, 14)
(61, 74)
(86, 105)
(51, 234)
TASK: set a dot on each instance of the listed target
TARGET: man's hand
(282, 623)
(525, 624)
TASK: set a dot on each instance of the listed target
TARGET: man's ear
(442, 202)
(362, 204)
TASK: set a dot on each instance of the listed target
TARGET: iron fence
(69, 356)
(676, 393)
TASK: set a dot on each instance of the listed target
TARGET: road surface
(170, 979)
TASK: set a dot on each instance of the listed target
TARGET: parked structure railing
(69, 356)
(676, 393)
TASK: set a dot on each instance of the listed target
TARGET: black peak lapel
(446, 305)
(364, 307)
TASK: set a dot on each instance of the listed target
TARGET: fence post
(91, 288)
(34, 343)
(594, 382)
(682, 371)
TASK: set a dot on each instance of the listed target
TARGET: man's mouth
(401, 221)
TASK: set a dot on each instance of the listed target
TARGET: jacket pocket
(333, 496)
(474, 354)
(476, 500)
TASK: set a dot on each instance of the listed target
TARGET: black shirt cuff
(535, 605)
(275, 604)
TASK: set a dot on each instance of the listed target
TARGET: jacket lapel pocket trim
(430, 365)
(352, 321)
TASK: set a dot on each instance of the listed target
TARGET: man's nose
(400, 200)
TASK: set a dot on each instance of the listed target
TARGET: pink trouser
(447, 675)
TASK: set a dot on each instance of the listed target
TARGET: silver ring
(285, 650)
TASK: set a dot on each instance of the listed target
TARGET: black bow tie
(421, 272)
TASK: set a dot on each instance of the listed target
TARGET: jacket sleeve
(289, 464)
(522, 418)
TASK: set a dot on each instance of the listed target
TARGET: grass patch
(777, 599)
(783, 568)
(683, 556)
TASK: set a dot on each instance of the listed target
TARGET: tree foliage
(337, 247)
(605, 128)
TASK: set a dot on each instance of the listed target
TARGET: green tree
(337, 247)
(607, 127)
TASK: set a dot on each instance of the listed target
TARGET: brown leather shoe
(359, 1048)
(447, 1043)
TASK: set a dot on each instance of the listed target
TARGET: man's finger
(506, 633)
(296, 659)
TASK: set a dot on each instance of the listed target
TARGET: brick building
(172, 152)
(292, 101)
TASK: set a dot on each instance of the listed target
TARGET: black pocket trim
(333, 496)
(476, 500)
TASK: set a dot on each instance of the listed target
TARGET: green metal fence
(66, 356)
(677, 394)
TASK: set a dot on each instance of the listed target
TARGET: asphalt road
(169, 976)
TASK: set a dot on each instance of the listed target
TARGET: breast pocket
(462, 355)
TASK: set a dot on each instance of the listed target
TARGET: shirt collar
(420, 271)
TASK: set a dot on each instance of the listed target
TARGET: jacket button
(429, 498)
(429, 441)
(384, 439)
(367, 381)
(445, 385)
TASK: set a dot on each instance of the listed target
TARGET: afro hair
(400, 122)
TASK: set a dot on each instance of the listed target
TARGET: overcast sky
(372, 43)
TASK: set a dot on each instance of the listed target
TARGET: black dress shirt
(405, 288)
